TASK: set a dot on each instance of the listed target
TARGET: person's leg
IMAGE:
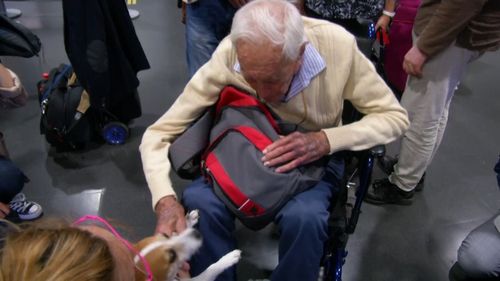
(303, 224)
(427, 100)
(207, 23)
(12, 180)
(216, 225)
(441, 128)
(479, 254)
(444, 117)
(12, 92)
(6, 80)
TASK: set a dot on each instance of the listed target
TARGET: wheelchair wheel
(115, 133)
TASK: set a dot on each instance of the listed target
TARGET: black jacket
(106, 54)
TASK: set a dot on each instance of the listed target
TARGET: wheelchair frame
(344, 215)
(343, 222)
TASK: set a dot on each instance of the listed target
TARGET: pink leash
(149, 273)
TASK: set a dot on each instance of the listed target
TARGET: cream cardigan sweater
(348, 75)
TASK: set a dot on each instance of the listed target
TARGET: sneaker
(24, 209)
(387, 163)
(385, 192)
(19, 197)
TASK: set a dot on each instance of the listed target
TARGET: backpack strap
(55, 81)
(239, 199)
(231, 96)
(84, 103)
(257, 138)
(84, 98)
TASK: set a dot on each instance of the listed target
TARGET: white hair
(274, 21)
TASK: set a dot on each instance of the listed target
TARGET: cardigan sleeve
(384, 119)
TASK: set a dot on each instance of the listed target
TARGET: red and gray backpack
(242, 127)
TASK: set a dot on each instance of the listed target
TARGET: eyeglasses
(138, 256)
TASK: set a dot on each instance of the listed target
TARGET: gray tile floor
(418, 242)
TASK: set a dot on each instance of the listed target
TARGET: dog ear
(141, 244)
(158, 259)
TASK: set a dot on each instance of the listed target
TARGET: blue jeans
(302, 223)
(12, 180)
(207, 23)
(479, 254)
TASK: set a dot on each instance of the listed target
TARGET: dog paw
(231, 258)
(192, 218)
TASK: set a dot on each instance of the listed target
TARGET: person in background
(479, 254)
(388, 13)
(448, 35)
(400, 42)
(207, 23)
(12, 92)
(13, 204)
(351, 13)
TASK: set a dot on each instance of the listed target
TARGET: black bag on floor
(67, 120)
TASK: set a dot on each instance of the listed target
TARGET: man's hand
(414, 62)
(296, 149)
(170, 216)
(238, 3)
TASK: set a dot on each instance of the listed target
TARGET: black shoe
(387, 163)
(458, 274)
(385, 192)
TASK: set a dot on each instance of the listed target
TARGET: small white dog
(166, 255)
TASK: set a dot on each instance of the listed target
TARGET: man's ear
(300, 59)
(302, 49)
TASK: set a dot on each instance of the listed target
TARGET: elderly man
(303, 69)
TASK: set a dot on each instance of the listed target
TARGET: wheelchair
(346, 209)
(346, 204)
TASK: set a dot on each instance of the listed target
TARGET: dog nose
(196, 234)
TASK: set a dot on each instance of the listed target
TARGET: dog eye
(171, 255)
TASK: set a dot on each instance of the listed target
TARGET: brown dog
(166, 255)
